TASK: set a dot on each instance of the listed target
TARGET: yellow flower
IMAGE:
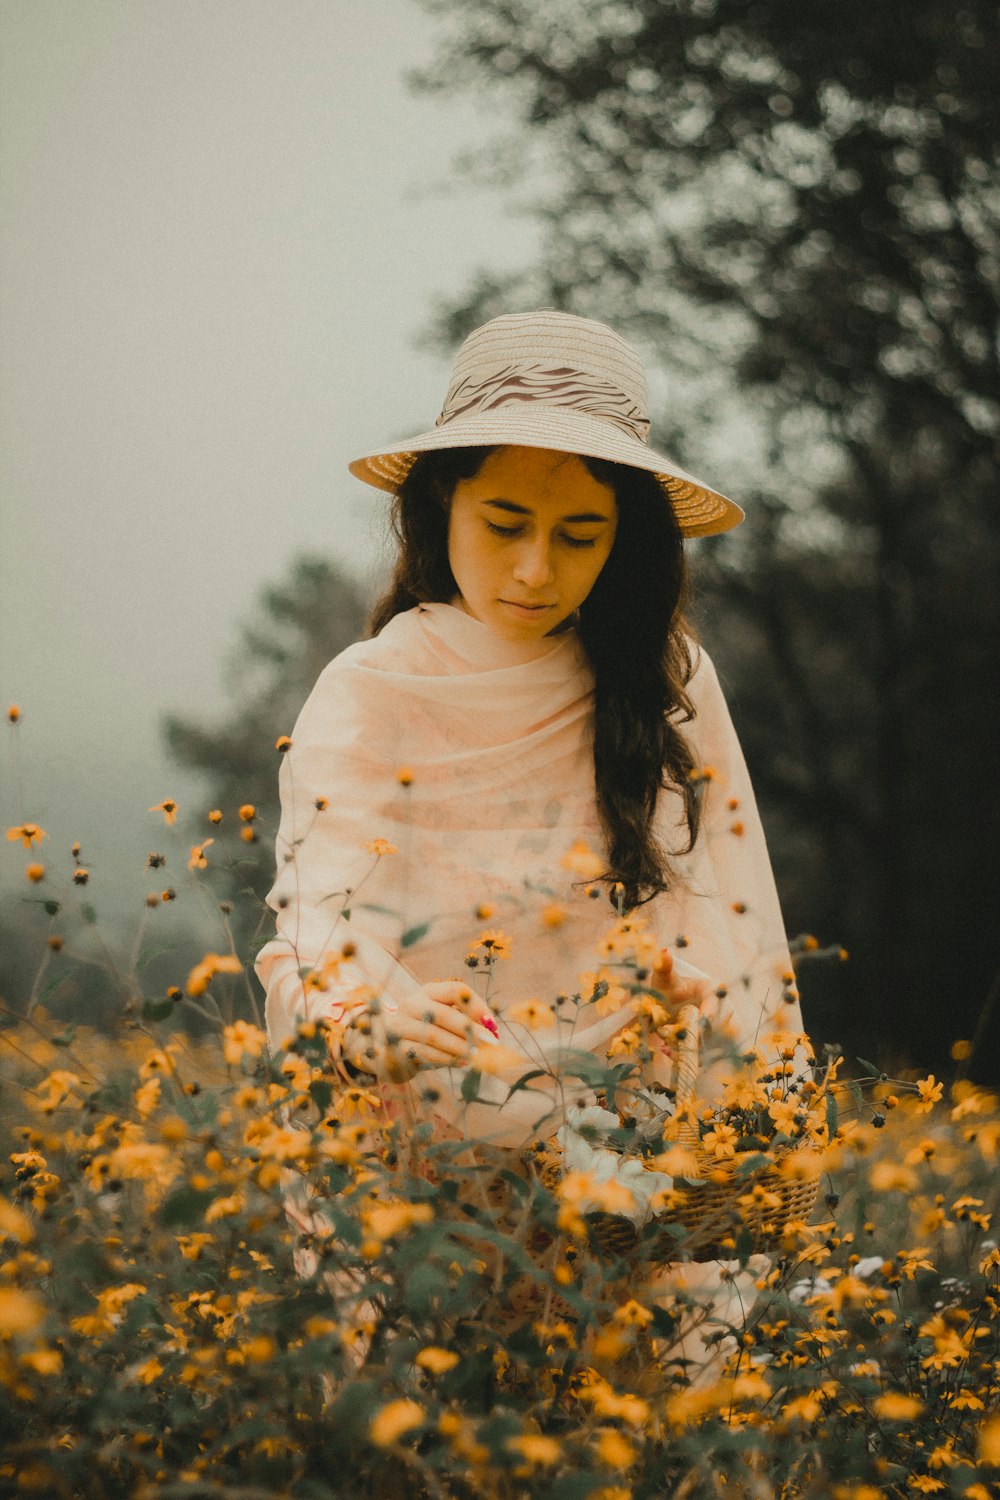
(196, 859)
(614, 1448)
(895, 1406)
(215, 817)
(43, 1361)
(379, 847)
(247, 812)
(553, 915)
(889, 1176)
(240, 1040)
(721, 1140)
(531, 1013)
(633, 1314)
(28, 833)
(930, 1092)
(383, 1220)
(58, 1089)
(14, 1224)
(168, 808)
(437, 1361)
(257, 1351)
(625, 1043)
(405, 776)
(606, 1403)
(282, 743)
(389, 1425)
(191, 1245)
(536, 1448)
(496, 944)
(203, 973)
(581, 861)
(989, 1443)
(35, 873)
(148, 1371)
(147, 1097)
(20, 1312)
(14, 714)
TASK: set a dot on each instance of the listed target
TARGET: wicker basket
(715, 1221)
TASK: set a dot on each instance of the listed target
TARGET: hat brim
(700, 510)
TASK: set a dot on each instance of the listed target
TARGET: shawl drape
(471, 757)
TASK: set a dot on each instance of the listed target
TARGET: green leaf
(186, 1207)
(52, 908)
(525, 1079)
(88, 913)
(870, 1068)
(414, 934)
(579, 1486)
(470, 1085)
(832, 1114)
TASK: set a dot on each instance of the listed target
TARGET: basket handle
(688, 1063)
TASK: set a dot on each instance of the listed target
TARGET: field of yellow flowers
(224, 1274)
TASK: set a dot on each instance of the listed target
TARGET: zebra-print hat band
(552, 380)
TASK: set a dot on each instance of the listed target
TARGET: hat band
(559, 386)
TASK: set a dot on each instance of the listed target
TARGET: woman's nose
(533, 565)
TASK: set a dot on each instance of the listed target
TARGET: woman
(511, 747)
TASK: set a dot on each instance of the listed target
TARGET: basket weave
(711, 1214)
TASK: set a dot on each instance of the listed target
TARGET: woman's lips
(526, 609)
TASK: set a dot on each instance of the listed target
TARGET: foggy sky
(224, 222)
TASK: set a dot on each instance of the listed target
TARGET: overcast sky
(224, 223)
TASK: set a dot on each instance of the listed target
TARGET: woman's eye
(502, 530)
(581, 541)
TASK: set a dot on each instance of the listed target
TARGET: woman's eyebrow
(525, 510)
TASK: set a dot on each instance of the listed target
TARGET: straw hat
(552, 380)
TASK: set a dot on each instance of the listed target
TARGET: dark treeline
(809, 195)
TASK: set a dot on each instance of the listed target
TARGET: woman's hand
(439, 1026)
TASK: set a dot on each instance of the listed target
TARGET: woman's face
(527, 537)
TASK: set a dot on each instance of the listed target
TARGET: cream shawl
(493, 740)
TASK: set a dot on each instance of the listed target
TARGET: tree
(809, 196)
(304, 621)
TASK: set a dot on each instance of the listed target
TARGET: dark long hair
(632, 628)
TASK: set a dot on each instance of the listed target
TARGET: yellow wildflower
(147, 1097)
(168, 808)
(436, 1361)
(581, 861)
(536, 1448)
(14, 1224)
(20, 1312)
(28, 833)
(930, 1092)
(398, 1417)
(240, 1040)
(196, 859)
(383, 1220)
(44, 1361)
(531, 1013)
(203, 973)
(614, 1448)
(35, 873)
(895, 1406)
(379, 847)
(989, 1443)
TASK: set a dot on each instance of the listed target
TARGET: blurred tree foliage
(303, 622)
(807, 197)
